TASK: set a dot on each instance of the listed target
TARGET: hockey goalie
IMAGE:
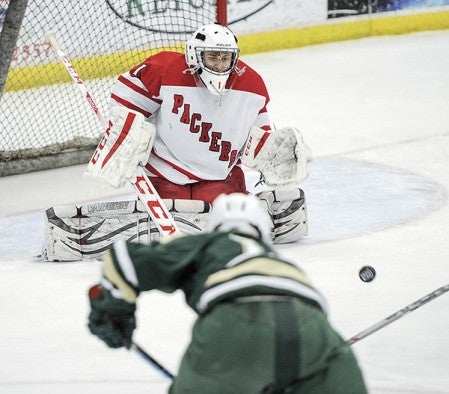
(193, 122)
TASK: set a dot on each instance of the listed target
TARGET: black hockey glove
(111, 319)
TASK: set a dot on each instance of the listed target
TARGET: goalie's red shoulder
(170, 69)
(245, 78)
(162, 69)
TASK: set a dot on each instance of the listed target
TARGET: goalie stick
(397, 315)
(143, 186)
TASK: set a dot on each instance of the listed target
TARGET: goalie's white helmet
(242, 212)
(208, 39)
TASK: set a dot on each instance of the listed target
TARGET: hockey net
(44, 121)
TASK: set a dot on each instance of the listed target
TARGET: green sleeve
(165, 264)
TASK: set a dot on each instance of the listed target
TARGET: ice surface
(376, 114)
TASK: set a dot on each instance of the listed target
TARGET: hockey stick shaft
(145, 190)
(397, 315)
(152, 361)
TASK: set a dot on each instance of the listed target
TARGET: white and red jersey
(199, 136)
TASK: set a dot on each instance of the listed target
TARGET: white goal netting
(44, 120)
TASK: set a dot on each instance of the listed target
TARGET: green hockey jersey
(211, 268)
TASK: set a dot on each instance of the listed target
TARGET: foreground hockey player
(262, 326)
(191, 120)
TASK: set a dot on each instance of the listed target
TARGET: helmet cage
(199, 51)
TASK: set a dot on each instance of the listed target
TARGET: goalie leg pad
(76, 233)
(288, 210)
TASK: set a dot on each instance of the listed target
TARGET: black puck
(367, 273)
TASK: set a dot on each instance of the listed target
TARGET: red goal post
(44, 122)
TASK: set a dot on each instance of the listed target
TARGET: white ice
(376, 115)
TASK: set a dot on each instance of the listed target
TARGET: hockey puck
(367, 273)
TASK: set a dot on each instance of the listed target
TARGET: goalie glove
(281, 156)
(126, 144)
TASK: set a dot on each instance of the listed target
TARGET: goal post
(11, 19)
(43, 120)
(222, 12)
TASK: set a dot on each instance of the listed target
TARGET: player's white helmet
(243, 212)
(212, 38)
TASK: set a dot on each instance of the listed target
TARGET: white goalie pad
(288, 210)
(74, 233)
(281, 156)
(126, 144)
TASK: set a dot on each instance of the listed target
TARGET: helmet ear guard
(214, 38)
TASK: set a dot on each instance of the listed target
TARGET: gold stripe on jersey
(258, 266)
(111, 274)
